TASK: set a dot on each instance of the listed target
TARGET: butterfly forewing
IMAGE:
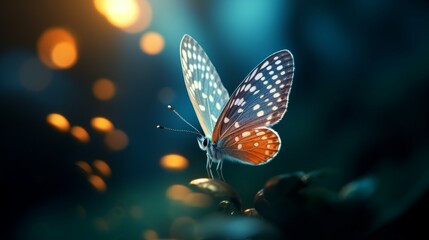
(259, 101)
(205, 89)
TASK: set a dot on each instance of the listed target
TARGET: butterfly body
(237, 128)
(213, 152)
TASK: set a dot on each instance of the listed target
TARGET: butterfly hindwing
(255, 147)
(205, 89)
(260, 101)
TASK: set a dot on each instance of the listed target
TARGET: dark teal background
(358, 106)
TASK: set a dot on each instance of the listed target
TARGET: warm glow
(116, 140)
(80, 134)
(200, 181)
(129, 15)
(152, 43)
(84, 166)
(174, 162)
(177, 192)
(58, 121)
(197, 200)
(34, 75)
(103, 89)
(120, 13)
(101, 124)
(102, 167)
(64, 54)
(57, 48)
(97, 182)
(150, 235)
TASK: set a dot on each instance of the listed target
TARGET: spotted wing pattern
(254, 147)
(205, 89)
(260, 101)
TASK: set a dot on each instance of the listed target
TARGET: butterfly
(237, 127)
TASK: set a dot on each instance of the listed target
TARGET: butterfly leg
(219, 170)
(209, 167)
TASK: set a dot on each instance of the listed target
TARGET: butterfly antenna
(176, 130)
(184, 120)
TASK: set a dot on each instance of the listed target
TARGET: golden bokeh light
(152, 43)
(102, 167)
(57, 48)
(116, 140)
(34, 75)
(102, 124)
(97, 182)
(84, 166)
(120, 13)
(150, 235)
(197, 199)
(129, 15)
(64, 54)
(177, 192)
(58, 121)
(103, 89)
(80, 134)
(174, 162)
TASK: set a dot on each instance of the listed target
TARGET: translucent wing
(259, 102)
(205, 89)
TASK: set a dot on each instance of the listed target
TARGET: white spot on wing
(253, 73)
(247, 87)
(245, 134)
(264, 65)
(256, 107)
(260, 134)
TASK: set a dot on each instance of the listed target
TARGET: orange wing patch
(254, 147)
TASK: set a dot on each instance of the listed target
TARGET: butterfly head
(203, 142)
